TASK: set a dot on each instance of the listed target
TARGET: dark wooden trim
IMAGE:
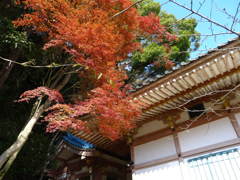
(205, 99)
(179, 127)
(200, 85)
(62, 160)
(210, 148)
(187, 154)
(202, 60)
(155, 162)
(177, 144)
(132, 153)
(206, 118)
(81, 175)
(235, 124)
(152, 136)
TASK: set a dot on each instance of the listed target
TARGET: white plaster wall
(157, 167)
(153, 150)
(207, 134)
(150, 127)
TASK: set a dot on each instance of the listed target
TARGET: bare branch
(210, 108)
(204, 17)
(63, 83)
(201, 96)
(28, 64)
(124, 10)
(234, 18)
(164, 3)
(5, 73)
(201, 4)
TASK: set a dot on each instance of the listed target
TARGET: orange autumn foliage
(87, 30)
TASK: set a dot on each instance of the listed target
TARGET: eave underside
(208, 74)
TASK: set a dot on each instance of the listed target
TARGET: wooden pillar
(132, 152)
(97, 175)
(177, 144)
(97, 172)
(170, 121)
(128, 173)
(235, 124)
(73, 177)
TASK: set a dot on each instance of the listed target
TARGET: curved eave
(217, 71)
(212, 71)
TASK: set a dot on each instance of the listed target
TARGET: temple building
(80, 160)
(189, 128)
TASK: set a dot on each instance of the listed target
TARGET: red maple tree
(98, 40)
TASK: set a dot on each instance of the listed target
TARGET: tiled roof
(157, 93)
(151, 77)
(77, 142)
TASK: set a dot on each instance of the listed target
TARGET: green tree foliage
(149, 6)
(155, 55)
(11, 40)
(24, 46)
(29, 163)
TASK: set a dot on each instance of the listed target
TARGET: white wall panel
(207, 134)
(153, 150)
(150, 127)
(168, 171)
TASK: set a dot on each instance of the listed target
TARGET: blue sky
(214, 9)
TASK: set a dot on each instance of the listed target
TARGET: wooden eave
(194, 64)
(104, 143)
(65, 147)
(216, 71)
(213, 71)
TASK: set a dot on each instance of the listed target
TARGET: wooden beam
(177, 144)
(152, 136)
(132, 153)
(211, 148)
(209, 117)
(200, 85)
(235, 124)
(155, 162)
(196, 152)
(153, 117)
(202, 60)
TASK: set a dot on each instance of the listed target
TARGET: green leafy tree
(23, 46)
(159, 56)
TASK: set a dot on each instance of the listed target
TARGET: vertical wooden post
(235, 124)
(132, 152)
(177, 144)
(96, 171)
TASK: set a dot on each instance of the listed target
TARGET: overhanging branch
(204, 17)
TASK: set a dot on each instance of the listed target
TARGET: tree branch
(210, 108)
(204, 17)
(234, 18)
(28, 64)
(124, 10)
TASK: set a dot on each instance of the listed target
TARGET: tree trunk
(6, 70)
(7, 157)
(8, 164)
(47, 157)
(5, 73)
